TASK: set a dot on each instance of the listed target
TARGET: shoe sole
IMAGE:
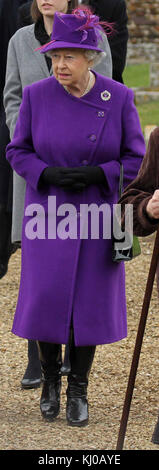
(64, 371)
(51, 419)
(29, 387)
(79, 425)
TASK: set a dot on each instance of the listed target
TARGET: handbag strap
(121, 180)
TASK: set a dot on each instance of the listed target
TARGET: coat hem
(34, 338)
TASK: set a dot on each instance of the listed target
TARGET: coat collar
(99, 97)
(34, 44)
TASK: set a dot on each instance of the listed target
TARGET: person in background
(114, 11)
(25, 66)
(143, 194)
(24, 15)
(72, 132)
(8, 26)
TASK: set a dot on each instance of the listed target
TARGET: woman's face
(70, 66)
(49, 7)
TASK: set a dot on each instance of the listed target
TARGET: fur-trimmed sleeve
(142, 188)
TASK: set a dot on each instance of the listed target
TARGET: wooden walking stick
(138, 344)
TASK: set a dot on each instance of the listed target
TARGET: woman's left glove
(85, 176)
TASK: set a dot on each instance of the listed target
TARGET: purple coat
(73, 277)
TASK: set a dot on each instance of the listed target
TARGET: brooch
(105, 95)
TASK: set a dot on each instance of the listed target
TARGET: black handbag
(134, 249)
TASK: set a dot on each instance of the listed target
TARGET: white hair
(91, 55)
(94, 56)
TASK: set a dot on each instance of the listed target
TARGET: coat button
(93, 137)
(101, 113)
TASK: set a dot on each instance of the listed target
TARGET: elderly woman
(72, 132)
(25, 66)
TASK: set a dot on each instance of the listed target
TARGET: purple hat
(80, 30)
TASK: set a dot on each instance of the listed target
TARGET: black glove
(86, 175)
(56, 176)
(73, 179)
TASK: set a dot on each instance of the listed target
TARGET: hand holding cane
(138, 345)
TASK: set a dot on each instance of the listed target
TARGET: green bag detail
(136, 248)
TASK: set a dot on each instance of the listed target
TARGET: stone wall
(143, 30)
(143, 20)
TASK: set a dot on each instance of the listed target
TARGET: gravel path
(21, 424)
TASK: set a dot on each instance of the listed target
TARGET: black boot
(32, 376)
(66, 366)
(81, 359)
(155, 436)
(50, 358)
